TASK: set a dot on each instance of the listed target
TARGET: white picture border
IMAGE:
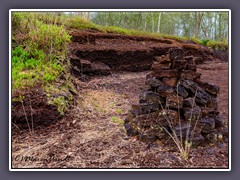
(116, 10)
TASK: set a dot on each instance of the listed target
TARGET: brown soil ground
(92, 134)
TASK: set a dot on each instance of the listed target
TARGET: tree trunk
(159, 22)
(215, 26)
(153, 25)
(219, 27)
(198, 18)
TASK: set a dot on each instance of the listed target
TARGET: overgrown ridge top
(90, 37)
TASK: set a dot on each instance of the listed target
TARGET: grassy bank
(39, 58)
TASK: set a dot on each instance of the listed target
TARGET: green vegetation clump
(116, 120)
(118, 30)
(79, 23)
(217, 45)
(59, 95)
(61, 103)
(119, 111)
(39, 55)
(28, 70)
(204, 42)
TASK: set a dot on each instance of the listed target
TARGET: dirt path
(93, 136)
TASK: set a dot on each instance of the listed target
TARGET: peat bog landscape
(88, 92)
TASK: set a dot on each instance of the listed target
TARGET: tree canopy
(198, 24)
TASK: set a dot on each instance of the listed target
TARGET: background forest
(201, 25)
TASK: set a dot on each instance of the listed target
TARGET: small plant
(61, 104)
(119, 111)
(79, 23)
(48, 77)
(117, 30)
(31, 129)
(183, 143)
(217, 45)
(204, 42)
(59, 95)
(115, 119)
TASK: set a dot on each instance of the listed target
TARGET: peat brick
(153, 82)
(170, 81)
(180, 90)
(167, 116)
(165, 90)
(174, 101)
(213, 103)
(210, 88)
(189, 85)
(131, 130)
(157, 66)
(203, 98)
(198, 140)
(191, 75)
(179, 64)
(193, 114)
(144, 108)
(207, 124)
(166, 73)
(183, 129)
(160, 131)
(219, 123)
(188, 102)
(210, 112)
(146, 120)
(150, 97)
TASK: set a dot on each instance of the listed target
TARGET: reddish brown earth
(92, 134)
(129, 53)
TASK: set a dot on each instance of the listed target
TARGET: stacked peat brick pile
(174, 94)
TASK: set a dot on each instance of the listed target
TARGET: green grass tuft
(217, 45)
(116, 120)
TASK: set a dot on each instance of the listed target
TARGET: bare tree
(159, 22)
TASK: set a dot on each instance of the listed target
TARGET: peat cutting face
(95, 54)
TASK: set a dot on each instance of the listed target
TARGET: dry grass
(102, 103)
(183, 143)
